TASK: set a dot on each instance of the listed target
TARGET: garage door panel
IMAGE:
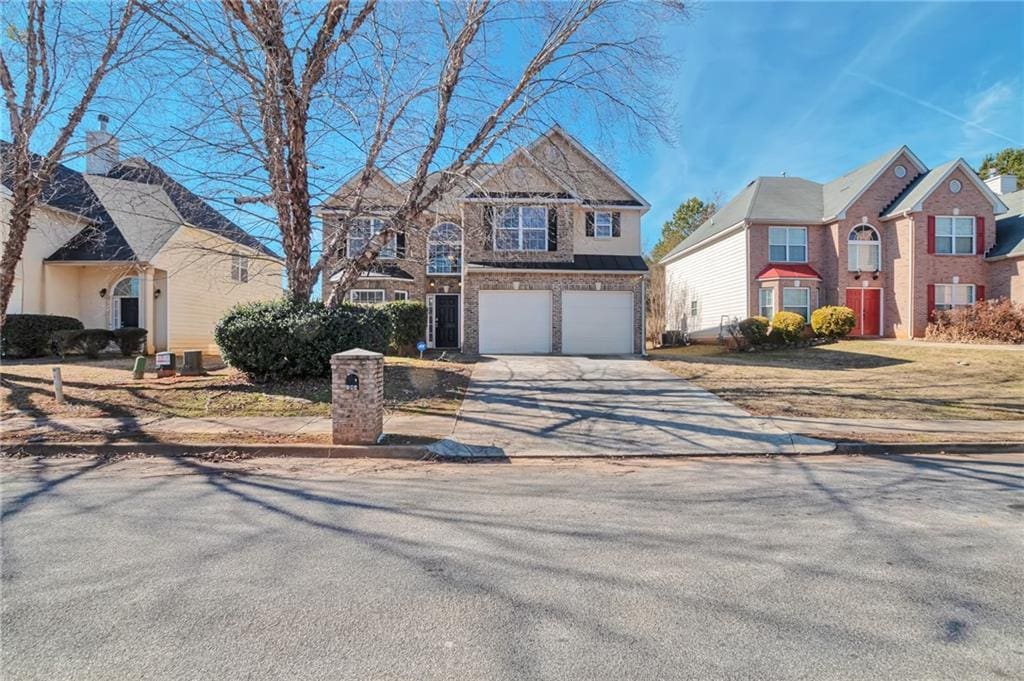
(597, 322)
(514, 322)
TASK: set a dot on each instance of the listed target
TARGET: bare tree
(297, 97)
(51, 67)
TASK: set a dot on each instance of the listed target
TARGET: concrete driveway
(611, 406)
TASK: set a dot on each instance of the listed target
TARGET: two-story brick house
(537, 254)
(892, 239)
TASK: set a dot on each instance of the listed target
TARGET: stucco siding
(716, 277)
(627, 243)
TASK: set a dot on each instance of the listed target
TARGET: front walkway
(577, 406)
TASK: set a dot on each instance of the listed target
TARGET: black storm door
(446, 321)
(129, 312)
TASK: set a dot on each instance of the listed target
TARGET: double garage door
(520, 322)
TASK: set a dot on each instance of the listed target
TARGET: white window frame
(452, 246)
(761, 307)
(375, 291)
(787, 243)
(599, 225)
(239, 267)
(404, 294)
(497, 221)
(949, 293)
(694, 308)
(952, 235)
(376, 225)
(115, 300)
(854, 248)
(791, 308)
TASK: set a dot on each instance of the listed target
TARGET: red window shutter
(931, 300)
(979, 293)
(931, 233)
(979, 230)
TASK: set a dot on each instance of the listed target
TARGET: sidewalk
(431, 426)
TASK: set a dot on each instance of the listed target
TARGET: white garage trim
(514, 322)
(598, 323)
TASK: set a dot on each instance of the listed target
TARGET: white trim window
(787, 244)
(444, 249)
(401, 295)
(954, 235)
(521, 228)
(361, 230)
(239, 267)
(797, 299)
(864, 249)
(766, 302)
(374, 296)
(949, 296)
(603, 225)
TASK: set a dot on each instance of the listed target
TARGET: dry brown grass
(105, 387)
(860, 379)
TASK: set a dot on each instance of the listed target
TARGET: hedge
(283, 339)
(987, 321)
(408, 322)
(787, 327)
(89, 342)
(833, 321)
(28, 335)
(130, 340)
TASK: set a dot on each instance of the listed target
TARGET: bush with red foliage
(987, 321)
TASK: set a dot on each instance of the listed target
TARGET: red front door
(866, 304)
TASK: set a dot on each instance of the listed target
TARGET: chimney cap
(103, 119)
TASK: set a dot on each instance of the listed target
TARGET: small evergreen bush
(755, 330)
(408, 322)
(833, 321)
(787, 327)
(130, 340)
(28, 335)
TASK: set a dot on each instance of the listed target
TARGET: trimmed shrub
(787, 327)
(28, 335)
(408, 322)
(284, 339)
(833, 321)
(998, 321)
(755, 330)
(88, 342)
(131, 341)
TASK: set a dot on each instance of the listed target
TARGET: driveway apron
(520, 406)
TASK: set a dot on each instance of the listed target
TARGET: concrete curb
(880, 449)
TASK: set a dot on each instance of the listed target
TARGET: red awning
(788, 272)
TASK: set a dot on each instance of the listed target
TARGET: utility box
(192, 363)
(357, 397)
(166, 364)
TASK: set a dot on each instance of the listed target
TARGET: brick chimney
(1001, 184)
(101, 149)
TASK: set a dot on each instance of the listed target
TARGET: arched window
(864, 249)
(125, 303)
(444, 249)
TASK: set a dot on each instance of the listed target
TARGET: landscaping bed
(104, 387)
(860, 379)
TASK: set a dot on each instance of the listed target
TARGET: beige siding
(200, 289)
(628, 243)
(716, 277)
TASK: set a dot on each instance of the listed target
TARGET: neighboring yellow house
(125, 245)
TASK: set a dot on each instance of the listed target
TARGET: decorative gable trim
(998, 207)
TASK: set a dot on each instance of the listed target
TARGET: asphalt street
(774, 567)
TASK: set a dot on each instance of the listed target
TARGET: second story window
(239, 268)
(603, 225)
(954, 235)
(864, 250)
(787, 244)
(444, 249)
(362, 230)
(521, 228)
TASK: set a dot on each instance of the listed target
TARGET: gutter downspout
(913, 282)
(643, 316)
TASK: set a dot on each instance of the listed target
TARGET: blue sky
(814, 89)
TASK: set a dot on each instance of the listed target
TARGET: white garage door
(515, 322)
(597, 322)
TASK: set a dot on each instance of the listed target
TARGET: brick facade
(556, 283)
(357, 415)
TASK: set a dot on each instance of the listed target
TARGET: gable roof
(921, 188)
(1010, 228)
(842, 192)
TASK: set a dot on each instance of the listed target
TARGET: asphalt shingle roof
(917, 190)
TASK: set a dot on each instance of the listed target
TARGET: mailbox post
(357, 397)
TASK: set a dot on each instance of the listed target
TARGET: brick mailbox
(357, 397)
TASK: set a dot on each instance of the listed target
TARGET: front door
(866, 304)
(446, 321)
(129, 312)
